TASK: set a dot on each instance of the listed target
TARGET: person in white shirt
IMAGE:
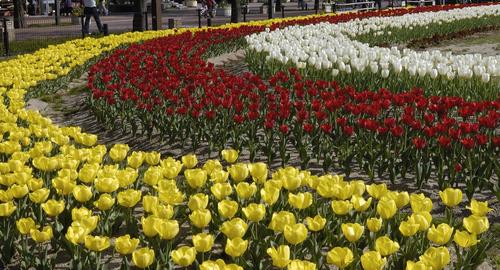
(90, 10)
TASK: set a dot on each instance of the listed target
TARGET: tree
(19, 21)
(316, 5)
(235, 11)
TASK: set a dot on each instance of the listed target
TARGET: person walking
(90, 10)
(102, 8)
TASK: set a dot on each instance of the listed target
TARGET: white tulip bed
(346, 52)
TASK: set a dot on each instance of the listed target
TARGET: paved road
(118, 23)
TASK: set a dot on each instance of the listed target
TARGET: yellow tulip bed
(67, 201)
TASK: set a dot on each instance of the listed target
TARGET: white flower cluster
(330, 46)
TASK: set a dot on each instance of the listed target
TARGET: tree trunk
(19, 21)
(278, 6)
(235, 11)
(316, 5)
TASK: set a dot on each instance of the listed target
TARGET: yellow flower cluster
(237, 200)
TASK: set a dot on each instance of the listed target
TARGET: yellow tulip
(301, 265)
(423, 219)
(6, 196)
(149, 203)
(341, 207)
(441, 234)
(135, 160)
(258, 171)
(360, 204)
(171, 168)
(343, 190)
(213, 265)
(76, 234)
(129, 198)
(437, 258)
(358, 187)
(372, 260)
(195, 178)
(385, 246)
(270, 195)
(420, 203)
(352, 231)
(183, 256)
(401, 199)
(296, 233)
(254, 212)
(126, 245)
(24, 225)
(78, 214)
(476, 224)
(40, 195)
(411, 265)
(106, 185)
(315, 224)
(163, 211)
(200, 218)
(152, 158)
(35, 184)
(189, 161)
(53, 208)
(89, 223)
(166, 229)
(246, 190)
(479, 208)
(198, 201)
(171, 197)
(152, 176)
(118, 152)
(234, 228)
(82, 193)
(229, 155)
(465, 239)
(238, 172)
(291, 181)
(227, 208)
(280, 220)
(203, 242)
(451, 197)
(219, 176)
(301, 200)
(376, 191)
(18, 191)
(236, 247)
(212, 165)
(374, 224)
(386, 208)
(143, 257)
(340, 257)
(41, 236)
(221, 190)
(279, 256)
(105, 202)
(312, 181)
(97, 243)
(148, 225)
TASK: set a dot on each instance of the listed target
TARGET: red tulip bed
(165, 86)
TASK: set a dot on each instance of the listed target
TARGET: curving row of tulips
(165, 86)
(65, 198)
(103, 205)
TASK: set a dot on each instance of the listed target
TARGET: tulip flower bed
(161, 213)
(326, 51)
(165, 86)
(69, 202)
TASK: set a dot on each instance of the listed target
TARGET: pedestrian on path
(102, 8)
(90, 10)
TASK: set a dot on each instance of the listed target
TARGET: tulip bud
(451, 197)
